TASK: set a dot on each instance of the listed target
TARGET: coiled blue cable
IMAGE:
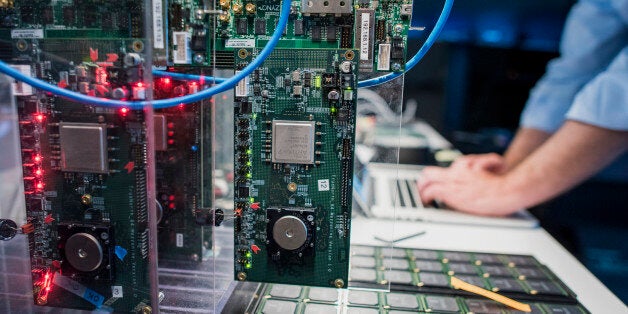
(162, 103)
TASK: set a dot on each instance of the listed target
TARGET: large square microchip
(83, 147)
(293, 142)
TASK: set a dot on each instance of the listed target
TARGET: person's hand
(492, 162)
(471, 186)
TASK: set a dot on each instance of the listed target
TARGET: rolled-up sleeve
(603, 102)
(594, 34)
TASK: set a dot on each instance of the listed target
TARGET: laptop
(389, 191)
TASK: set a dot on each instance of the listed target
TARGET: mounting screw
(242, 276)
(86, 199)
(339, 283)
(199, 58)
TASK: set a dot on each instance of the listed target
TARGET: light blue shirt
(589, 81)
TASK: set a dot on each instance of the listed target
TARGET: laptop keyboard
(406, 191)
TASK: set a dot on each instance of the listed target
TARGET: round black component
(8, 229)
(289, 232)
(84, 252)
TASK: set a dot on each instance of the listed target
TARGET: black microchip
(331, 33)
(507, 285)
(442, 304)
(30, 105)
(343, 115)
(545, 287)
(198, 43)
(397, 48)
(242, 26)
(48, 17)
(316, 33)
(298, 28)
(256, 75)
(68, 15)
(243, 191)
(260, 27)
(245, 107)
(307, 79)
(26, 14)
(122, 20)
(90, 18)
(329, 79)
(257, 90)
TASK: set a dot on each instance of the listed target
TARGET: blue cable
(188, 77)
(431, 39)
(162, 103)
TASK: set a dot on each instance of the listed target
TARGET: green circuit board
(76, 19)
(377, 29)
(85, 183)
(296, 299)
(183, 158)
(85, 167)
(294, 126)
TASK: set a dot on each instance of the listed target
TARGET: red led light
(140, 84)
(40, 117)
(37, 158)
(172, 205)
(124, 110)
(46, 284)
(170, 133)
(170, 142)
(166, 81)
(171, 198)
(170, 125)
(181, 106)
(38, 172)
(40, 186)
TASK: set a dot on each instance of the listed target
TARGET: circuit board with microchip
(377, 29)
(85, 167)
(294, 128)
(183, 158)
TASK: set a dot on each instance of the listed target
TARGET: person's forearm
(576, 152)
(526, 141)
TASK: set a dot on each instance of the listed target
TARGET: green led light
(248, 265)
(254, 116)
(248, 255)
(249, 151)
(317, 81)
(249, 175)
(333, 109)
(252, 200)
(249, 163)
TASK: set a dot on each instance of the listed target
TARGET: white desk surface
(537, 242)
